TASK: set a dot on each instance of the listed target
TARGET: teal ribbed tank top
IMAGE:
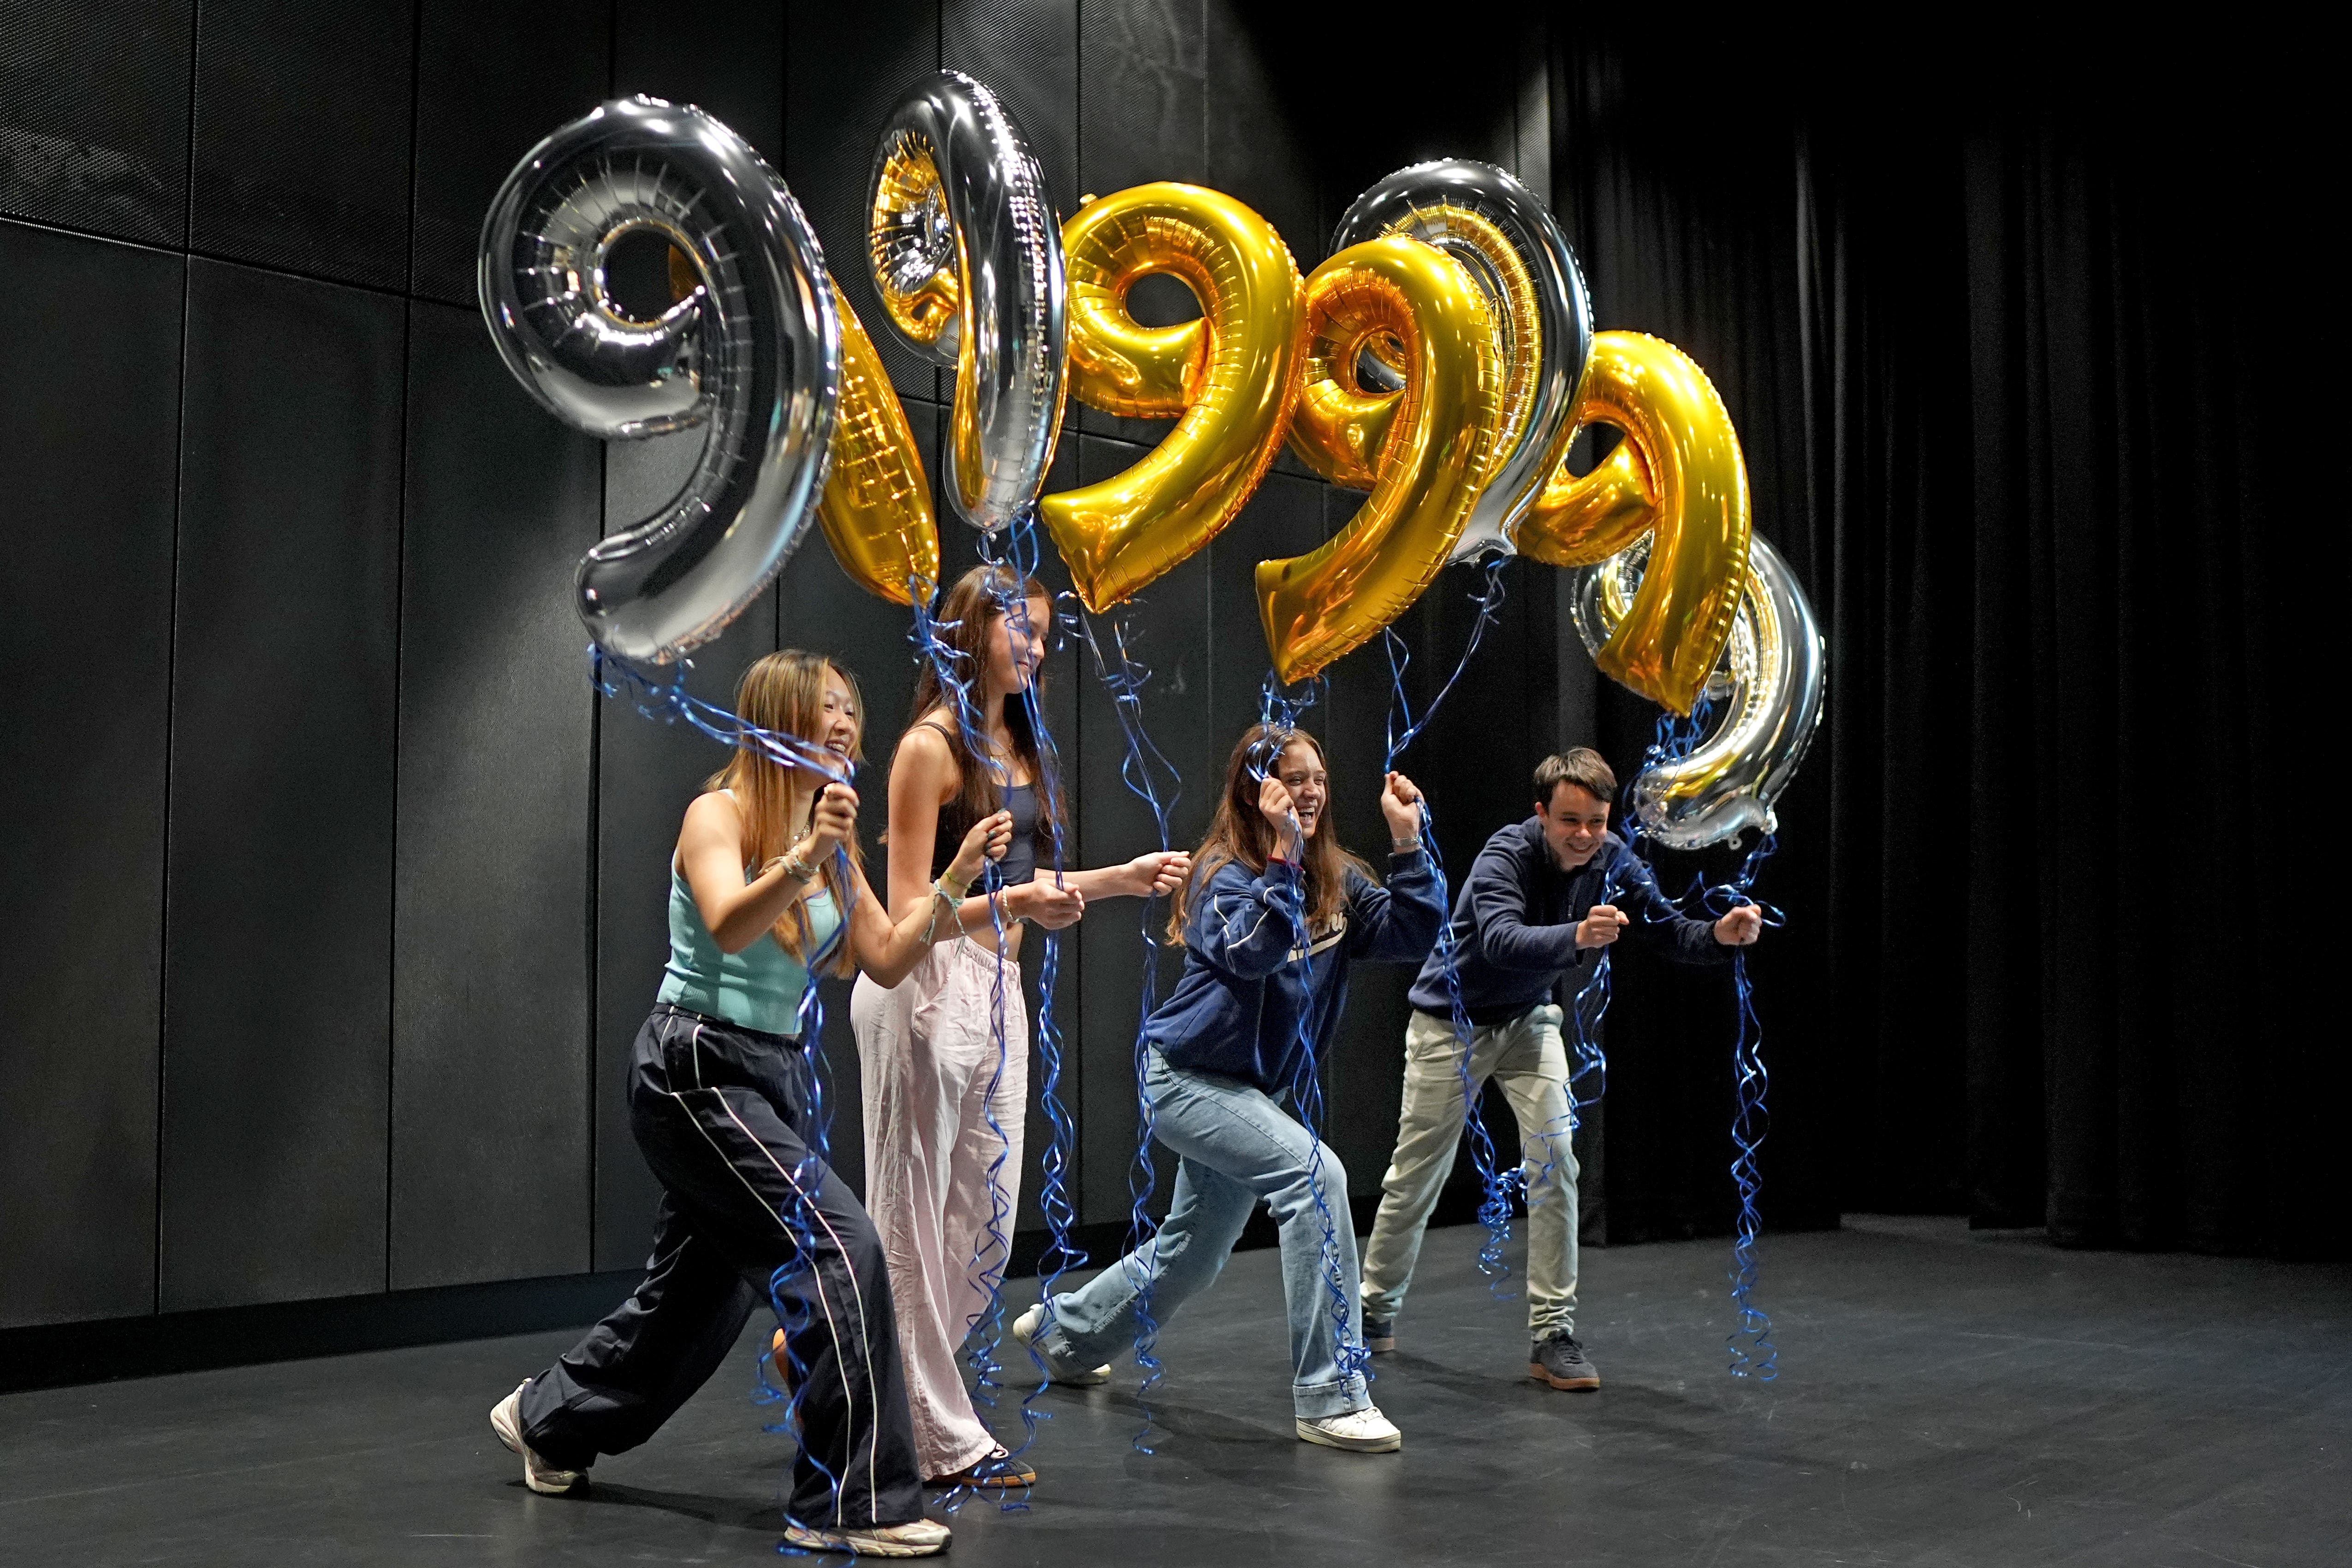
(760, 988)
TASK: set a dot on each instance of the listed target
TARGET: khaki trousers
(1526, 1056)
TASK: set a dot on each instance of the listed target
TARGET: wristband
(796, 867)
(946, 883)
(1404, 846)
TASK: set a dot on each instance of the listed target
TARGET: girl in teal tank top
(765, 887)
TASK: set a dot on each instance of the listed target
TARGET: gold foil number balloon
(1232, 376)
(1426, 450)
(1511, 245)
(1678, 478)
(877, 506)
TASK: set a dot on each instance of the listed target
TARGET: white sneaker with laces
(1024, 1329)
(916, 1538)
(1365, 1431)
(506, 1420)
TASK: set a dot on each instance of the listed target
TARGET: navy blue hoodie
(1236, 1009)
(1515, 925)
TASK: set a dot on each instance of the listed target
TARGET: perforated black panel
(474, 123)
(300, 157)
(94, 114)
(847, 65)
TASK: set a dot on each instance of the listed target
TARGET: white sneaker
(916, 1538)
(1024, 1329)
(506, 1420)
(1365, 1431)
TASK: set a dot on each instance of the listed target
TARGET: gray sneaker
(1379, 1334)
(1559, 1361)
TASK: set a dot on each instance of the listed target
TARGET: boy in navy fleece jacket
(1545, 900)
(1274, 915)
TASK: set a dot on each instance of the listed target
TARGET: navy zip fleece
(1236, 1009)
(1515, 926)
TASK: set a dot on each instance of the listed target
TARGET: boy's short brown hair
(1578, 765)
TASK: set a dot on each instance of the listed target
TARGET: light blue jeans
(1234, 1145)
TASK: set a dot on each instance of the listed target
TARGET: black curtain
(2013, 407)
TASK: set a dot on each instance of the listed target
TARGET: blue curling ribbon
(1124, 677)
(669, 702)
(1673, 739)
(1495, 1187)
(1019, 558)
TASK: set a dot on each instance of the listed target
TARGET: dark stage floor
(1946, 1398)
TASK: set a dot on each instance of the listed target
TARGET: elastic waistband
(762, 1036)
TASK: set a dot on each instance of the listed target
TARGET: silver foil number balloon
(967, 255)
(752, 353)
(1511, 243)
(1768, 687)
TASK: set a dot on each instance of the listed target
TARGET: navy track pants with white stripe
(722, 1115)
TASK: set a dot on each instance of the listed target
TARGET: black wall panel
(474, 124)
(1143, 94)
(1027, 51)
(726, 59)
(491, 1040)
(88, 579)
(301, 145)
(847, 64)
(278, 936)
(646, 774)
(1143, 116)
(1261, 149)
(94, 114)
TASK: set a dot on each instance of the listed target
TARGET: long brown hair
(972, 606)
(1240, 833)
(785, 692)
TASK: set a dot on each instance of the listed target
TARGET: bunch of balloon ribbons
(1441, 359)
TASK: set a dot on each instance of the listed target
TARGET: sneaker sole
(862, 1546)
(513, 1440)
(1308, 1433)
(1571, 1384)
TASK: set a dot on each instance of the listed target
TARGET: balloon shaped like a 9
(751, 352)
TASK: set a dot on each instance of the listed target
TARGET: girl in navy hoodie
(1272, 917)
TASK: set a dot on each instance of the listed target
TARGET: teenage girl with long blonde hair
(766, 887)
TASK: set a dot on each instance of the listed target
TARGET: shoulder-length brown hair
(785, 692)
(1240, 833)
(970, 607)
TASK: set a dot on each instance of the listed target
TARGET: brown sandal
(996, 1471)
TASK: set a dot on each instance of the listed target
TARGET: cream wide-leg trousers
(943, 1057)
